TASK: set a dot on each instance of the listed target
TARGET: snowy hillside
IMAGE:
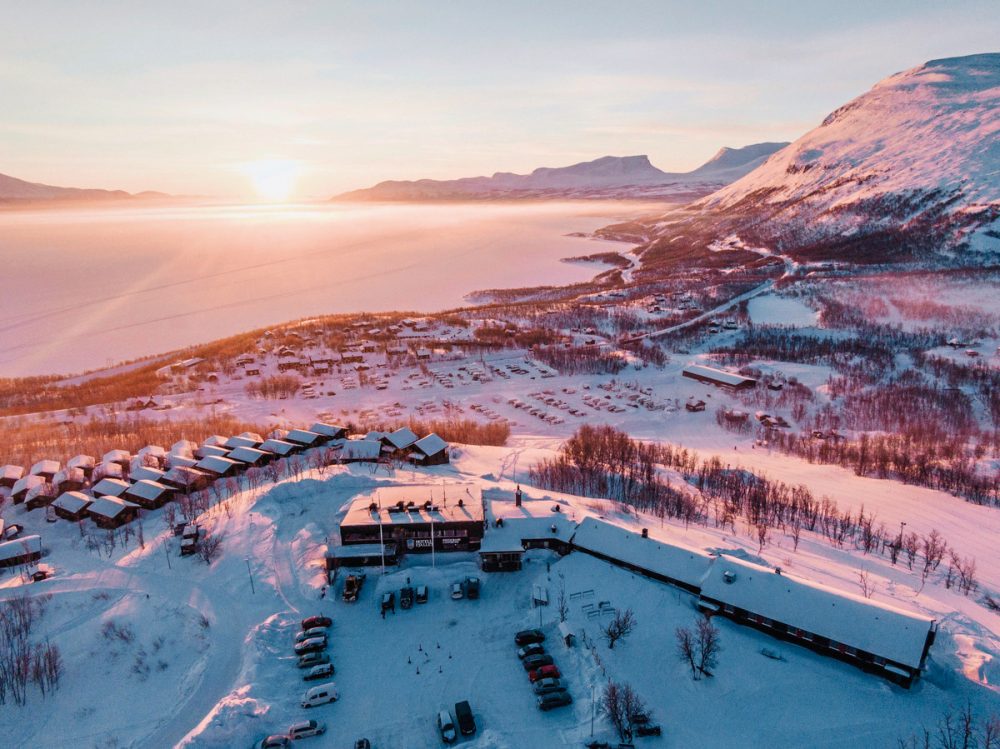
(914, 163)
(609, 176)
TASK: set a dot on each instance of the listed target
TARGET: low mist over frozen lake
(83, 288)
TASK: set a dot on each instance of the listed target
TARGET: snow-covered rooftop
(360, 450)
(719, 375)
(444, 500)
(432, 444)
(109, 507)
(110, 487)
(16, 548)
(147, 489)
(72, 501)
(401, 438)
(852, 620)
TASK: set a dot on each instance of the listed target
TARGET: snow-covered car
(310, 646)
(321, 671)
(421, 594)
(304, 729)
(456, 591)
(544, 686)
(312, 622)
(362, 744)
(532, 649)
(313, 659)
(320, 695)
(446, 727)
(553, 700)
(274, 742)
(308, 634)
(545, 672)
(528, 636)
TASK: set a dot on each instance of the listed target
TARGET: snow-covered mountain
(910, 167)
(13, 189)
(609, 176)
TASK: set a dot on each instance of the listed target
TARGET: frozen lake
(85, 288)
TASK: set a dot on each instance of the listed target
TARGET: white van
(320, 695)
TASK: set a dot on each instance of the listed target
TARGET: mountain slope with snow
(913, 165)
(609, 176)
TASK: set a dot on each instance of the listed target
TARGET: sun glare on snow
(273, 179)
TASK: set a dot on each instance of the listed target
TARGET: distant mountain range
(607, 177)
(18, 190)
(909, 170)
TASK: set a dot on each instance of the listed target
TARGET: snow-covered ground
(781, 310)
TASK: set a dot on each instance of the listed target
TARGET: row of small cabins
(380, 527)
(112, 492)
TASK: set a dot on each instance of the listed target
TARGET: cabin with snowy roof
(429, 451)
(112, 512)
(149, 495)
(72, 506)
(20, 551)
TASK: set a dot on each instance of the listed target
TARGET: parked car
(306, 728)
(406, 597)
(313, 659)
(534, 662)
(528, 636)
(554, 700)
(463, 714)
(362, 744)
(421, 594)
(472, 587)
(312, 622)
(446, 727)
(320, 671)
(11, 532)
(310, 646)
(544, 686)
(545, 672)
(274, 742)
(352, 587)
(320, 695)
(388, 602)
(646, 729)
(456, 591)
(532, 649)
(308, 634)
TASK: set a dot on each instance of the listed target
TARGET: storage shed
(72, 506)
(719, 377)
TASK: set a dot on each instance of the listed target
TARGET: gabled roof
(877, 628)
(145, 473)
(182, 447)
(110, 487)
(45, 466)
(68, 474)
(25, 483)
(718, 375)
(302, 437)
(81, 461)
(401, 438)
(154, 450)
(278, 447)
(430, 445)
(116, 456)
(217, 464)
(328, 430)
(184, 475)
(360, 450)
(109, 507)
(215, 439)
(239, 441)
(679, 563)
(72, 501)
(11, 472)
(146, 489)
(248, 455)
(18, 547)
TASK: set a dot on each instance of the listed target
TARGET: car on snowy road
(274, 742)
(319, 671)
(311, 622)
(545, 672)
(446, 727)
(320, 695)
(535, 662)
(554, 700)
(308, 634)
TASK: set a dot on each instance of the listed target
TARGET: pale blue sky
(177, 96)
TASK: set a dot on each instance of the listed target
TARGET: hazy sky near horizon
(181, 96)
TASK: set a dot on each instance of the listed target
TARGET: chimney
(517, 496)
(645, 532)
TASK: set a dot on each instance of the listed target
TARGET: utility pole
(250, 573)
(593, 710)
(381, 540)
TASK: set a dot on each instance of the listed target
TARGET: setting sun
(273, 179)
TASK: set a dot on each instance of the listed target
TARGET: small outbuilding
(21, 551)
(149, 495)
(47, 469)
(10, 475)
(72, 506)
(111, 512)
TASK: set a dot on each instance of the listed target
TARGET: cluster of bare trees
(601, 461)
(620, 627)
(699, 647)
(24, 661)
(957, 729)
(579, 359)
(274, 387)
(623, 708)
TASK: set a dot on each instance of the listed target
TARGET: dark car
(362, 744)
(274, 742)
(533, 662)
(406, 598)
(648, 730)
(463, 716)
(554, 700)
(313, 659)
(389, 602)
(472, 588)
(311, 622)
(528, 636)
(532, 649)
